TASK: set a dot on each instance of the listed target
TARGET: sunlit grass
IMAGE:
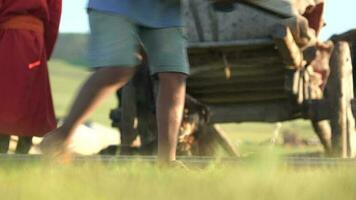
(258, 180)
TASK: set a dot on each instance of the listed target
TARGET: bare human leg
(102, 83)
(170, 105)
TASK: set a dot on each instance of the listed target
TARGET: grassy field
(93, 181)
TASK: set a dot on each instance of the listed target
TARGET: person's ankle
(65, 130)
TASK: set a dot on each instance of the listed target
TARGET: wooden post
(211, 136)
(287, 47)
(340, 93)
(351, 136)
(222, 139)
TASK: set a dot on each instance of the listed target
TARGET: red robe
(26, 107)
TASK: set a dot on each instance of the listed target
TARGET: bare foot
(55, 144)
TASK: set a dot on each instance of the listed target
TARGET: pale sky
(340, 16)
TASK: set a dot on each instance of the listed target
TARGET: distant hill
(72, 48)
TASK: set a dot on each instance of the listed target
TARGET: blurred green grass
(252, 138)
(93, 181)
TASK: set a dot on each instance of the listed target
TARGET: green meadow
(264, 180)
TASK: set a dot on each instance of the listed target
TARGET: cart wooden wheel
(212, 136)
(340, 94)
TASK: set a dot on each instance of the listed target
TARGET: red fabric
(26, 107)
(314, 16)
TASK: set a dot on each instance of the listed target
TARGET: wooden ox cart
(245, 67)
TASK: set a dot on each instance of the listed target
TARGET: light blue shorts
(115, 41)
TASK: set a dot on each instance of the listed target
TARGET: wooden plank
(300, 95)
(239, 71)
(234, 80)
(243, 94)
(199, 47)
(236, 75)
(266, 111)
(287, 47)
(221, 137)
(240, 98)
(267, 56)
(217, 59)
(237, 53)
(292, 81)
(238, 88)
(205, 67)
